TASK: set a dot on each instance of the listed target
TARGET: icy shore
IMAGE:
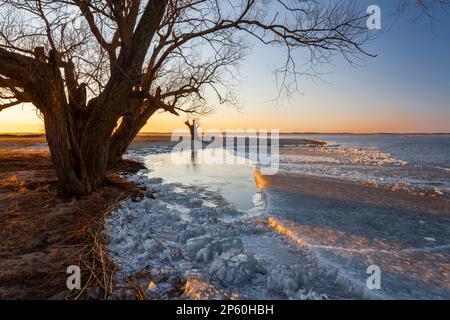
(210, 233)
(192, 244)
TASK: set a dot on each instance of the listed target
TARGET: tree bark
(61, 135)
(43, 86)
(112, 102)
(127, 131)
(68, 165)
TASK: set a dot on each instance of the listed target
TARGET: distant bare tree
(97, 70)
(193, 128)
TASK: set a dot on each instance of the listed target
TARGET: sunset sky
(405, 89)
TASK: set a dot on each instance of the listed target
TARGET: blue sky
(406, 88)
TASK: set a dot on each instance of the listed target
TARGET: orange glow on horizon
(24, 119)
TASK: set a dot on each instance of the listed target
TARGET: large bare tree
(97, 70)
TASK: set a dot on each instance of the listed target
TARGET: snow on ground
(193, 244)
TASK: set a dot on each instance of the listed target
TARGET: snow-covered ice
(216, 250)
(204, 237)
(192, 243)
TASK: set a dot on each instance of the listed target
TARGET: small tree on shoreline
(193, 127)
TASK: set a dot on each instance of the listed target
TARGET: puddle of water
(234, 182)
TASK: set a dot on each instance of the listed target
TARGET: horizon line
(40, 133)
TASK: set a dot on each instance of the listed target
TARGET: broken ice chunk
(216, 247)
(234, 267)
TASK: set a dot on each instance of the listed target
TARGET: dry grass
(41, 234)
(94, 256)
(95, 259)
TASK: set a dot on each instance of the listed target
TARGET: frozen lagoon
(223, 231)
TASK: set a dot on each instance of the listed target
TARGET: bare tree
(193, 129)
(97, 70)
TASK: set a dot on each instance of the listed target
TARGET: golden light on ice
(274, 224)
(261, 182)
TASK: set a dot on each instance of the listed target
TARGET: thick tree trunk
(126, 132)
(69, 169)
(61, 136)
(110, 104)
(43, 86)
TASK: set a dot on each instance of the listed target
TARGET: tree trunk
(112, 102)
(79, 136)
(61, 136)
(69, 169)
(126, 132)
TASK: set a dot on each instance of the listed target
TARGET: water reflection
(233, 180)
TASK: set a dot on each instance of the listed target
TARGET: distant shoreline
(322, 133)
(22, 135)
(164, 134)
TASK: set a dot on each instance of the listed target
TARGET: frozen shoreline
(191, 242)
(351, 227)
(194, 248)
